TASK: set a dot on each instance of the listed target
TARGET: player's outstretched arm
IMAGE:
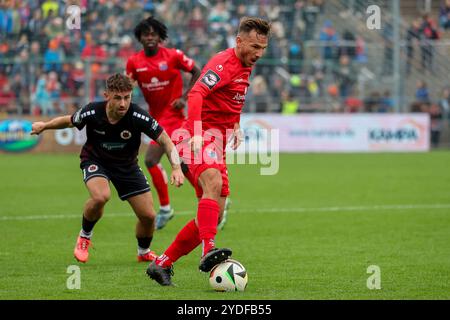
(177, 176)
(55, 123)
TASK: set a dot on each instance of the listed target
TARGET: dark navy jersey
(114, 144)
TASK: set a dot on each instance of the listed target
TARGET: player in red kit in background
(215, 104)
(157, 72)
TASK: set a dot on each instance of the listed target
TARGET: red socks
(186, 241)
(159, 178)
(207, 217)
(191, 236)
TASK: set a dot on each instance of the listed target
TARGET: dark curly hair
(145, 26)
(119, 83)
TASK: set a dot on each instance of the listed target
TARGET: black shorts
(128, 182)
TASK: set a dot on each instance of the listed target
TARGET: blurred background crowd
(321, 56)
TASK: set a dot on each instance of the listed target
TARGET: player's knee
(214, 186)
(101, 198)
(148, 217)
(150, 161)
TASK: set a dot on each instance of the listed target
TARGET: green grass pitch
(309, 232)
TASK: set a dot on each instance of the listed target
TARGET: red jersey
(222, 85)
(160, 80)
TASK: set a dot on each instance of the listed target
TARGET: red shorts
(210, 157)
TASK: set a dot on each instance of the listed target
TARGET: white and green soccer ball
(229, 275)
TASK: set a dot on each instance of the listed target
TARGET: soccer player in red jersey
(157, 72)
(215, 104)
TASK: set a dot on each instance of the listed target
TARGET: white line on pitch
(254, 210)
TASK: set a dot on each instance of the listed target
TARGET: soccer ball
(229, 275)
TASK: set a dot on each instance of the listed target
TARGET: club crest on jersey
(210, 79)
(92, 168)
(163, 66)
(125, 134)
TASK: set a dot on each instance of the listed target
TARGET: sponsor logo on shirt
(240, 97)
(100, 132)
(111, 146)
(155, 84)
(210, 79)
(141, 69)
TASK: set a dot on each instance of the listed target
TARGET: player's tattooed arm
(177, 176)
(55, 123)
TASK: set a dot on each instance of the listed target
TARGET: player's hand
(179, 103)
(177, 177)
(196, 144)
(37, 127)
(237, 137)
(133, 81)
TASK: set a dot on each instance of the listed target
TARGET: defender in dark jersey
(114, 129)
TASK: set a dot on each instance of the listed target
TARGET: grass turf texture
(290, 251)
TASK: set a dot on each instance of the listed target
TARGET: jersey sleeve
(211, 78)
(144, 122)
(183, 61)
(80, 118)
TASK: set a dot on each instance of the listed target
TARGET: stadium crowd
(46, 68)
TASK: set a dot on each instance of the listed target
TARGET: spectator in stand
(54, 91)
(435, 124)
(361, 50)
(429, 35)
(372, 103)
(444, 15)
(310, 15)
(444, 103)
(413, 36)
(386, 103)
(7, 98)
(19, 88)
(260, 94)
(289, 105)
(353, 103)
(53, 57)
(388, 37)
(329, 37)
(349, 46)
(41, 104)
(50, 7)
(55, 28)
(422, 93)
(345, 75)
(126, 49)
